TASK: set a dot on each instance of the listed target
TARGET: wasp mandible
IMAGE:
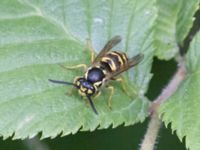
(106, 66)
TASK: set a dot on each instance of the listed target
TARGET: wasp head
(85, 88)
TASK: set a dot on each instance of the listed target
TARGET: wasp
(106, 66)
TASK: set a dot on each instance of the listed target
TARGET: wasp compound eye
(78, 82)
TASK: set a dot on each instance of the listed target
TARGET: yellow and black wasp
(105, 67)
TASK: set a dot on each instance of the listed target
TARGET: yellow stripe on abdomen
(109, 62)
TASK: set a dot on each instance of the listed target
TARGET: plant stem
(172, 86)
(149, 140)
(151, 134)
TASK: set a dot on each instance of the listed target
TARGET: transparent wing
(109, 45)
(131, 62)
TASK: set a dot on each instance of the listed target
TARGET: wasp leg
(70, 93)
(123, 83)
(97, 95)
(84, 66)
(92, 51)
(111, 88)
(86, 101)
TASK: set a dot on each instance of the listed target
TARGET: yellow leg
(97, 95)
(84, 66)
(90, 47)
(86, 101)
(123, 83)
(69, 93)
(111, 88)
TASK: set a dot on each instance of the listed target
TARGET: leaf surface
(182, 109)
(173, 23)
(36, 36)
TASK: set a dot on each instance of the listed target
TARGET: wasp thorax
(84, 87)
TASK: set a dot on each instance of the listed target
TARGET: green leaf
(36, 36)
(182, 109)
(175, 18)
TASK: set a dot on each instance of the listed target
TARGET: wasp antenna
(61, 82)
(92, 105)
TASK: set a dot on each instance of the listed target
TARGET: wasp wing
(131, 62)
(109, 45)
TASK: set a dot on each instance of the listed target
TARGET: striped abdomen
(113, 61)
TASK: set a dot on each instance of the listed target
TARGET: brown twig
(149, 140)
